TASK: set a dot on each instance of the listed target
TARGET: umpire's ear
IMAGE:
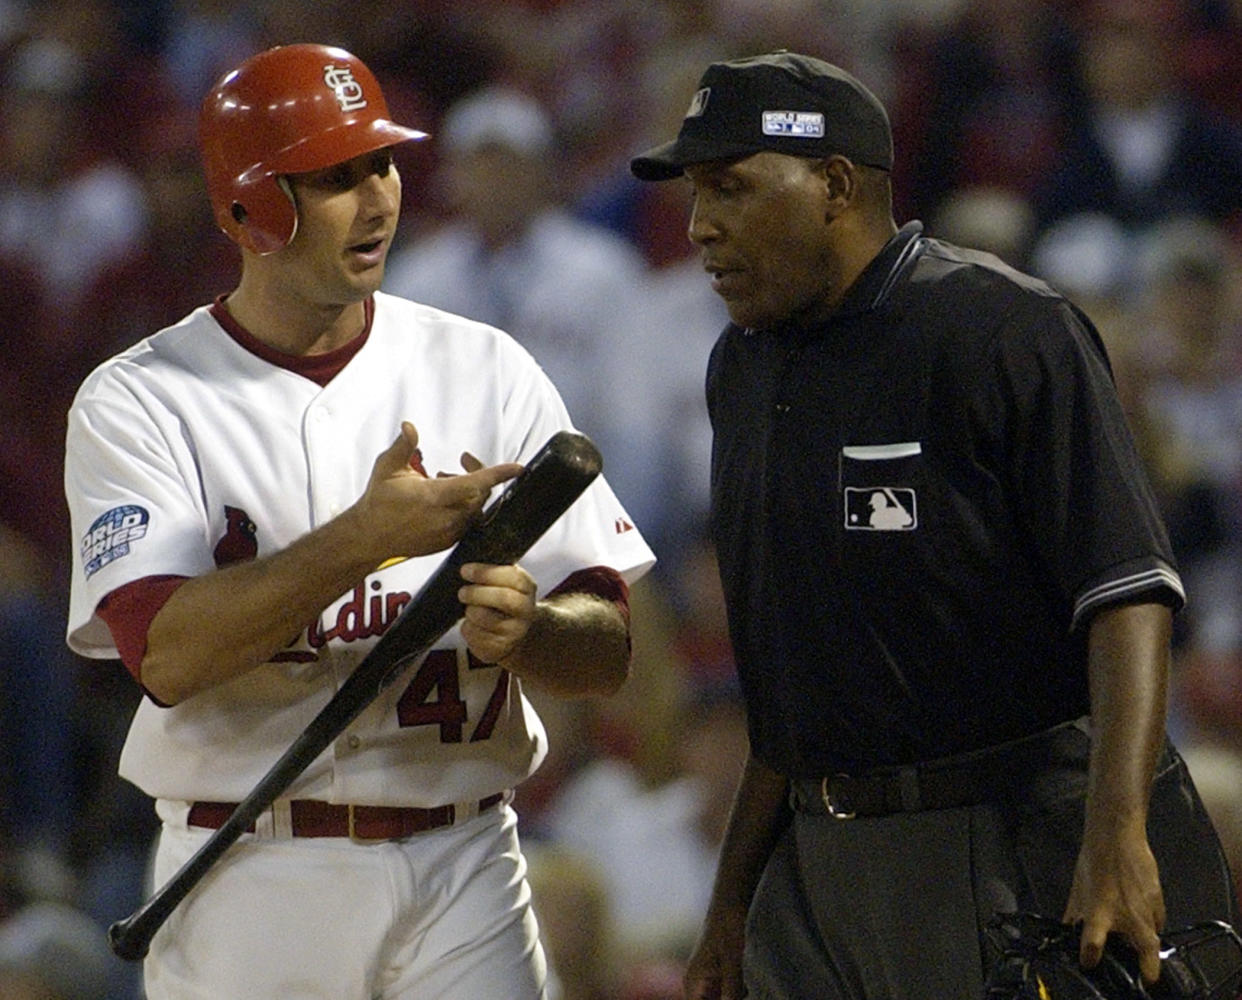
(842, 182)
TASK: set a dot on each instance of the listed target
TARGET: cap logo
(348, 91)
(799, 124)
(698, 103)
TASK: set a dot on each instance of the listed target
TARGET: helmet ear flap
(262, 217)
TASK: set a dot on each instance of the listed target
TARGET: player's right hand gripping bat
(553, 479)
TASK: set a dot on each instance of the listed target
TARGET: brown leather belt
(310, 818)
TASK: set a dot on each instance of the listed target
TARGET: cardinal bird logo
(239, 543)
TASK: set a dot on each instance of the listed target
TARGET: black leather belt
(947, 783)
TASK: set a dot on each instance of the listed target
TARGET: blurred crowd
(1096, 143)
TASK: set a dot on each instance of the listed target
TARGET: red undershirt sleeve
(128, 612)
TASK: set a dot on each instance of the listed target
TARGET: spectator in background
(980, 102)
(123, 79)
(71, 832)
(989, 217)
(63, 213)
(179, 260)
(1191, 351)
(30, 461)
(655, 846)
(572, 902)
(512, 256)
(50, 951)
(1217, 770)
(1212, 56)
(203, 38)
(656, 436)
(648, 811)
(1141, 147)
(657, 439)
(1089, 258)
(38, 792)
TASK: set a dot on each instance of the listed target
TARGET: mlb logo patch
(798, 124)
(880, 508)
(698, 103)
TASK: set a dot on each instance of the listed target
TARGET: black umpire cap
(781, 101)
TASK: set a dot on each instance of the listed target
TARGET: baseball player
(256, 492)
(948, 587)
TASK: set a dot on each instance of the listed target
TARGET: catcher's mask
(1039, 961)
(287, 110)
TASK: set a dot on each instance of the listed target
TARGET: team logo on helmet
(348, 91)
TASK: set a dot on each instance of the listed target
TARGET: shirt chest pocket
(880, 485)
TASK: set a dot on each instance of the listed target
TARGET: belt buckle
(353, 831)
(835, 811)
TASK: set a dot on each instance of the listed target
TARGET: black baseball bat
(553, 479)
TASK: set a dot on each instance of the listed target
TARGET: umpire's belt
(946, 783)
(311, 818)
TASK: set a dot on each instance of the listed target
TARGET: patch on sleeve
(111, 535)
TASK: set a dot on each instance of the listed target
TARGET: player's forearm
(223, 624)
(1128, 670)
(576, 646)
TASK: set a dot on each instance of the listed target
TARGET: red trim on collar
(319, 368)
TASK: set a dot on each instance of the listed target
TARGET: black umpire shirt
(917, 507)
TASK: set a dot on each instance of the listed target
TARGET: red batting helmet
(288, 110)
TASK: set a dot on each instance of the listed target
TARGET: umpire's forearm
(760, 814)
(1129, 675)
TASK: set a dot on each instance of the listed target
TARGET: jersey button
(354, 741)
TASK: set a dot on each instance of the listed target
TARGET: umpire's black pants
(894, 907)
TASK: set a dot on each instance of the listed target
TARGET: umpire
(949, 591)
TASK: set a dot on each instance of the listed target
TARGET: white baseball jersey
(189, 441)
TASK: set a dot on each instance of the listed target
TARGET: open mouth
(369, 247)
(723, 279)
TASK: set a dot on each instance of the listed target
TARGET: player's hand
(500, 606)
(1116, 889)
(406, 513)
(714, 971)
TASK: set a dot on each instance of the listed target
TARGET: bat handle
(130, 938)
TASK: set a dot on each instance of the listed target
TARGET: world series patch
(800, 124)
(111, 535)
